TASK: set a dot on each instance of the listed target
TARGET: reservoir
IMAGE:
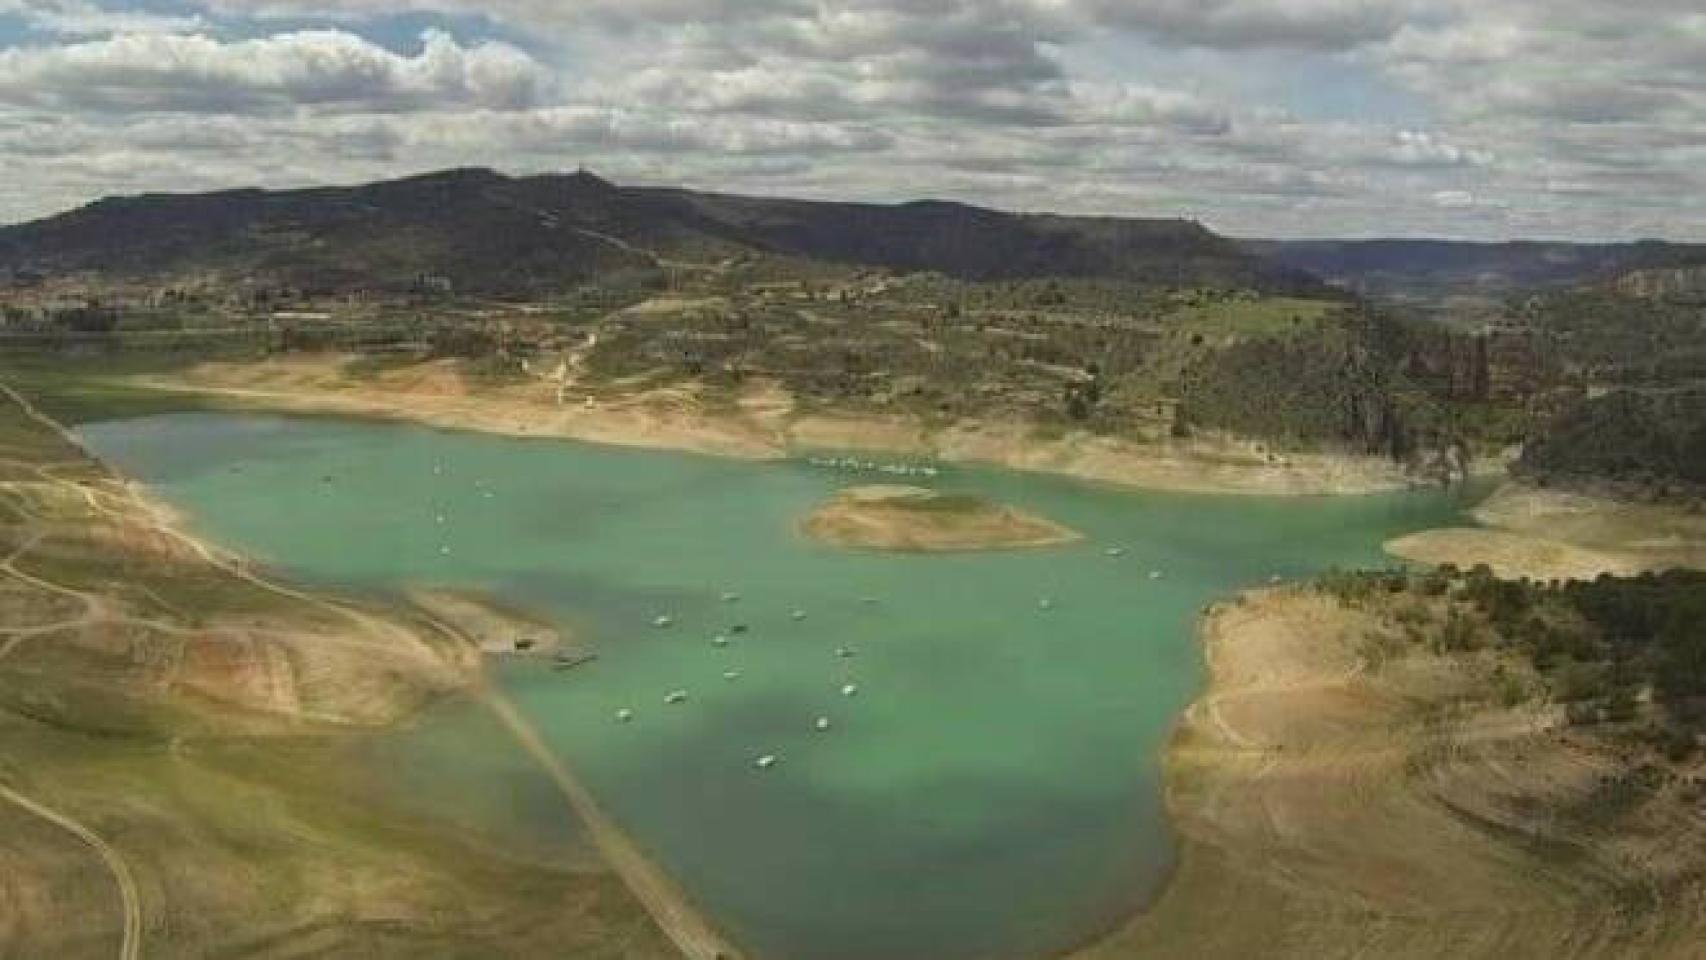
(991, 788)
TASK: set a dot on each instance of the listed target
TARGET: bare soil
(1338, 794)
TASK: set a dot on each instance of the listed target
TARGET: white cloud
(82, 18)
(1421, 148)
(1556, 117)
(1308, 24)
(310, 69)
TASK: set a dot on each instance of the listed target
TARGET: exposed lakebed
(992, 788)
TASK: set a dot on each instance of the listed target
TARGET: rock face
(1679, 282)
(919, 520)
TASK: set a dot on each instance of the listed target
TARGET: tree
(1682, 648)
(89, 319)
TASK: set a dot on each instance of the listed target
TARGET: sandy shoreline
(1327, 807)
(347, 666)
(495, 629)
(1554, 535)
(765, 423)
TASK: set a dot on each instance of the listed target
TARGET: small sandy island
(924, 521)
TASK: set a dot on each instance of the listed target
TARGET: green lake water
(991, 791)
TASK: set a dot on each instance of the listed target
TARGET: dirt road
(130, 947)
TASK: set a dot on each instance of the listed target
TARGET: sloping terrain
(1343, 790)
(478, 230)
(186, 755)
(1423, 270)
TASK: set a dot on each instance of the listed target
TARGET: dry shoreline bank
(494, 628)
(763, 423)
(1337, 795)
(1551, 534)
(1332, 802)
(259, 682)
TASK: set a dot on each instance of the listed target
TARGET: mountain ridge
(494, 233)
(1429, 269)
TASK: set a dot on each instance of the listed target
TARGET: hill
(1434, 270)
(480, 231)
(1650, 444)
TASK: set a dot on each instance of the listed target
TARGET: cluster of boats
(675, 698)
(821, 724)
(486, 493)
(871, 466)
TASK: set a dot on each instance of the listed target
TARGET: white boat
(676, 697)
(1155, 574)
(822, 724)
(731, 674)
(1115, 552)
(719, 641)
(850, 690)
(624, 715)
(663, 622)
(798, 615)
(731, 597)
(1045, 604)
(846, 653)
(767, 761)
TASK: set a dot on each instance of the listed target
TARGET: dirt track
(130, 947)
(689, 929)
(668, 905)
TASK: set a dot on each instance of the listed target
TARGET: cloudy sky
(1576, 119)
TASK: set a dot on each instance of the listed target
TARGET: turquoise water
(991, 791)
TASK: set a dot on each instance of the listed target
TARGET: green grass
(84, 389)
(1263, 317)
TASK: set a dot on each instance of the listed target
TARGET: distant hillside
(1361, 381)
(1651, 443)
(485, 232)
(1605, 336)
(1431, 270)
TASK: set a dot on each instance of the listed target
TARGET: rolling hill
(1432, 270)
(489, 233)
